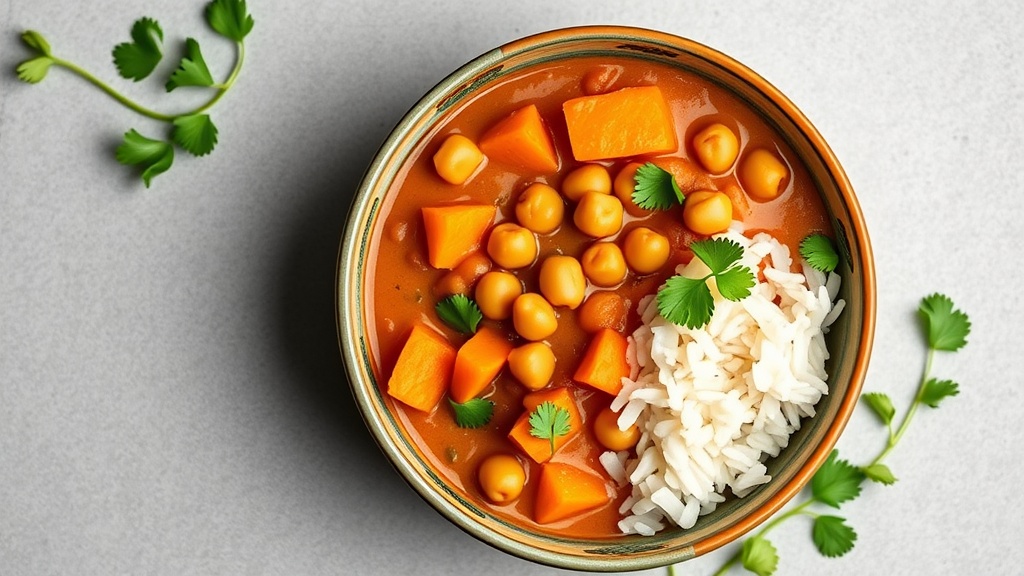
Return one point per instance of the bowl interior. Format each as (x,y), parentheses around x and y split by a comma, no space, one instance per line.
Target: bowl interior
(849,340)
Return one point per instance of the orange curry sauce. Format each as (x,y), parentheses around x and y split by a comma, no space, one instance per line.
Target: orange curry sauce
(402,283)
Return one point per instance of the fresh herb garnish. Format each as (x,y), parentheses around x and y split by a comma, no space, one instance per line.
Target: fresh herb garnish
(656,188)
(459,312)
(947,328)
(688,301)
(137,59)
(838,481)
(192,130)
(192,71)
(154,156)
(549,421)
(473,413)
(819,253)
(760,556)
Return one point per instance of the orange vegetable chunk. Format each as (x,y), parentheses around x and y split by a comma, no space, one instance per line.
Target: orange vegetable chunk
(539,449)
(604,362)
(564,490)
(455,231)
(627,122)
(478,362)
(423,369)
(521,139)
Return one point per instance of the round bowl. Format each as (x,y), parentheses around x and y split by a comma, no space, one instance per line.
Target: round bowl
(849,341)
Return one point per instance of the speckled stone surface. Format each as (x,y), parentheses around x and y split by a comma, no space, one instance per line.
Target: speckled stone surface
(171,396)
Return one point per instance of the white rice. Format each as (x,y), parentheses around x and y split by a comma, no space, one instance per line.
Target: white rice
(714,403)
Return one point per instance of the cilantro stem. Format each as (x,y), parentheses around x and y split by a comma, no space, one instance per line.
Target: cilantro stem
(905,422)
(124,100)
(221,89)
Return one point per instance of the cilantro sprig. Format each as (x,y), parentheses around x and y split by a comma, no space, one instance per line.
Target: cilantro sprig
(549,421)
(838,481)
(459,312)
(472,413)
(688,301)
(656,188)
(191,130)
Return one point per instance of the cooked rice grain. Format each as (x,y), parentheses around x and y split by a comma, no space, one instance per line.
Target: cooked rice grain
(714,404)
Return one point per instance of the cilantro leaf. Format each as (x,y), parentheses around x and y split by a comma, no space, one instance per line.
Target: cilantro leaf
(656,188)
(33,71)
(473,413)
(459,312)
(138,58)
(759,556)
(686,301)
(881,404)
(192,71)
(836,481)
(229,18)
(155,156)
(832,536)
(817,249)
(880,473)
(195,133)
(549,421)
(935,391)
(717,253)
(947,328)
(35,41)
(735,283)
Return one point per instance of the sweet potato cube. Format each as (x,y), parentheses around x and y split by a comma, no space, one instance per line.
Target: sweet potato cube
(620,124)
(539,449)
(564,490)
(604,362)
(477,363)
(455,231)
(423,370)
(522,140)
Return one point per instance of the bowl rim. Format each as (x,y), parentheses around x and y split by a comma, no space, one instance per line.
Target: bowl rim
(350,247)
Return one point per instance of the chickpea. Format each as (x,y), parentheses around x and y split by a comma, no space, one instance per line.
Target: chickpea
(586,178)
(533,317)
(460,280)
(625,182)
(716,147)
(762,175)
(540,208)
(604,309)
(495,293)
(598,215)
(561,281)
(707,212)
(606,429)
(457,159)
(645,250)
(501,478)
(603,264)
(511,246)
(532,364)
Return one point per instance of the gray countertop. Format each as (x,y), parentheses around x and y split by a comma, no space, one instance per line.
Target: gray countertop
(171,396)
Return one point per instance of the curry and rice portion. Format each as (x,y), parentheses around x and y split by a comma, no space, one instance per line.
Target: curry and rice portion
(600,297)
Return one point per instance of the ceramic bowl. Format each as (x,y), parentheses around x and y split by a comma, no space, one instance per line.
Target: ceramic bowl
(849,341)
